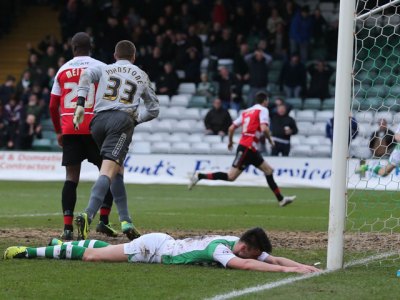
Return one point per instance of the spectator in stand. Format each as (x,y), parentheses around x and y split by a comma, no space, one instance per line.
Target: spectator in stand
(33,108)
(24,84)
(192,65)
(288,12)
(154,65)
(293,77)
(7,89)
(206,88)
(219,13)
(35,68)
(217,120)
(3,128)
(168,82)
(320,73)
(382,140)
(49,59)
(180,50)
(258,63)
(13,113)
(301,30)
(69,19)
(240,67)
(226,82)
(273,21)
(353,130)
(29,129)
(272,106)
(279,43)
(225,47)
(193,40)
(319,28)
(282,127)
(240,20)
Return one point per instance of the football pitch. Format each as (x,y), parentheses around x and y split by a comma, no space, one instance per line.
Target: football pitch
(31,214)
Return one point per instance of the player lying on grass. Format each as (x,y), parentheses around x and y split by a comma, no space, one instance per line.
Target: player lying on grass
(394,160)
(254,122)
(250,252)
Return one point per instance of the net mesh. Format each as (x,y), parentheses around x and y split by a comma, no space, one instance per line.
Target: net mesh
(373,207)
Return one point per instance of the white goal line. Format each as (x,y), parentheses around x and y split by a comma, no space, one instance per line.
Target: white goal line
(268,286)
(376,10)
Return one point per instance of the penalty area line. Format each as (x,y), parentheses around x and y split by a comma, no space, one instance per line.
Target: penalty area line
(271,285)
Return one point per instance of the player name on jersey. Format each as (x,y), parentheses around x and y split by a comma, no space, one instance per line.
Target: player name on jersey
(133,72)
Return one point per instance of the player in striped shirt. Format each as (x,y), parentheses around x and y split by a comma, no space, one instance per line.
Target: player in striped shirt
(254,122)
(77,145)
(249,252)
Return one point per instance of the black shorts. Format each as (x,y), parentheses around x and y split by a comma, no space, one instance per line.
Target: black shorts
(245,157)
(77,148)
(112,131)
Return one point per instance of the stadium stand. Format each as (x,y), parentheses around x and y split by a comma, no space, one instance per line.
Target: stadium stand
(180,128)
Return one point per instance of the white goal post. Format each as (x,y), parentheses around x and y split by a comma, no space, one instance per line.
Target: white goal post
(337,206)
(345,80)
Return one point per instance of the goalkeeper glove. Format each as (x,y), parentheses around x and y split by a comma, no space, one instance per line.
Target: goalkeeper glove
(79,112)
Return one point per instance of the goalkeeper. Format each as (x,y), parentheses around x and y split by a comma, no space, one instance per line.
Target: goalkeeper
(249,252)
(394,160)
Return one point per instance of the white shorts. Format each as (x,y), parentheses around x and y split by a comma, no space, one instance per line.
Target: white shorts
(149,248)
(394,158)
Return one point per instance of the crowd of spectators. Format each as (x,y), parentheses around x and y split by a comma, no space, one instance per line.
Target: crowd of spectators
(172,40)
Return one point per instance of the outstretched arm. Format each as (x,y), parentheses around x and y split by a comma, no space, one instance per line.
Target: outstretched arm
(231,131)
(282,261)
(255,265)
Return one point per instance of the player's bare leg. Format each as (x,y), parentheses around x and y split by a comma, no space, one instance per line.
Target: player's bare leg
(230,176)
(268,171)
(112,253)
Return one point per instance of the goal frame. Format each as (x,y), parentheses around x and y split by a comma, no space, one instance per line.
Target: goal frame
(340,149)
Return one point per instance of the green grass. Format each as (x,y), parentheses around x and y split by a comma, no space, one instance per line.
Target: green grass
(171,208)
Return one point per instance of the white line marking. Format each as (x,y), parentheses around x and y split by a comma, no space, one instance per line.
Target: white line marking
(31,215)
(268,286)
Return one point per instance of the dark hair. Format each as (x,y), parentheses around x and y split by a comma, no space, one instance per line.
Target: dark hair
(256,238)
(81,43)
(261,97)
(125,50)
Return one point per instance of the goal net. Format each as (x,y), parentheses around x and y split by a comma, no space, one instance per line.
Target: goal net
(373,202)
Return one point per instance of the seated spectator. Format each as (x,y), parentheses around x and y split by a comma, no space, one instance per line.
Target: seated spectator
(320,73)
(154,64)
(382,140)
(273,21)
(13,113)
(7,89)
(49,59)
(28,130)
(293,77)
(206,88)
(24,84)
(218,119)
(282,127)
(168,82)
(352,134)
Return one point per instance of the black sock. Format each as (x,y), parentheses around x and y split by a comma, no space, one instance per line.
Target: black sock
(274,187)
(214,176)
(106,208)
(68,201)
